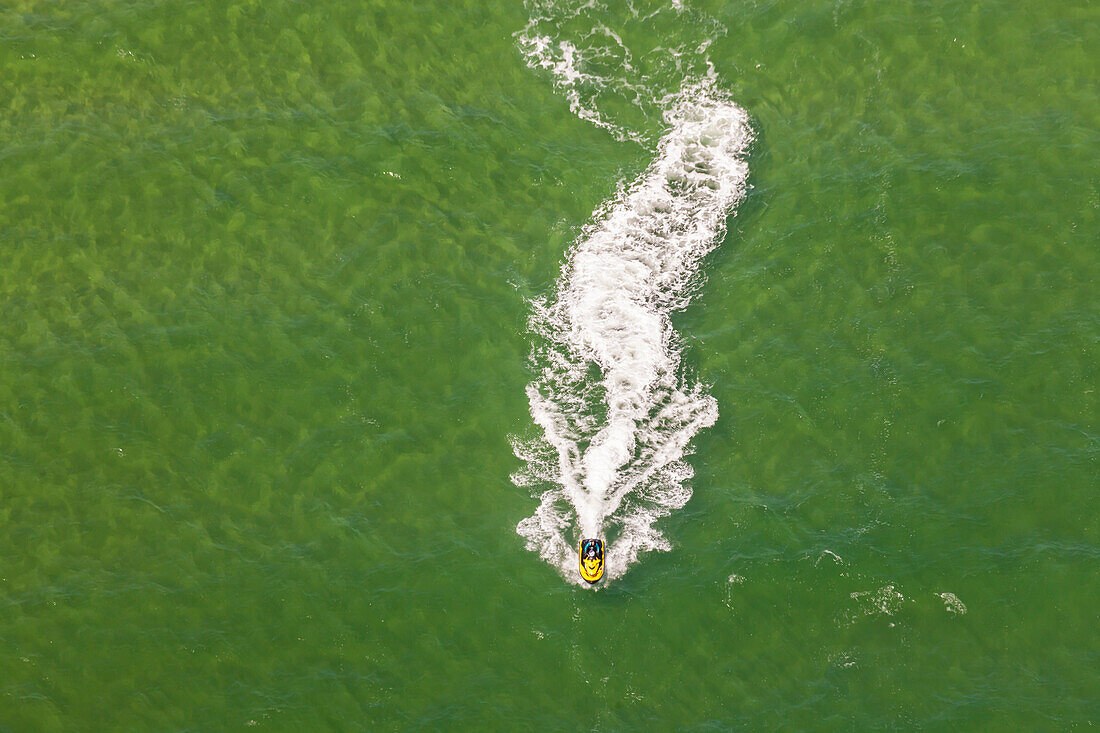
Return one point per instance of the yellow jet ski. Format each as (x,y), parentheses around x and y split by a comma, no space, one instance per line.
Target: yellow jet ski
(591,560)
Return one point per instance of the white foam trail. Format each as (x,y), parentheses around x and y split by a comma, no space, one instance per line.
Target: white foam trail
(615,410)
(581,44)
(560,59)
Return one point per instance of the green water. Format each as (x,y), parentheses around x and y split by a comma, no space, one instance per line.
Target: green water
(263,345)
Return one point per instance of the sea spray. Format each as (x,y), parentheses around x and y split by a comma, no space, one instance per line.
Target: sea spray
(615,410)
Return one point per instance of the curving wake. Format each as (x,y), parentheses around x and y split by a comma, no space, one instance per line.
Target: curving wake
(615,411)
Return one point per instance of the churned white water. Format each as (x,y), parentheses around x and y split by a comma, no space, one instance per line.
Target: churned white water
(615,410)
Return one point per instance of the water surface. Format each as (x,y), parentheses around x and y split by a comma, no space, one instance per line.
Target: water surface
(264,336)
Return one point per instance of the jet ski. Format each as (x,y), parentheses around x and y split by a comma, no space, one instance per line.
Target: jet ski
(592,560)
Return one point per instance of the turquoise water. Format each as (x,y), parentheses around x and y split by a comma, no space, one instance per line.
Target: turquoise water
(268,320)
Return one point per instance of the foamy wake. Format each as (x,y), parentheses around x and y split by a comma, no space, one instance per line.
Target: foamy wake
(580,88)
(615,410)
